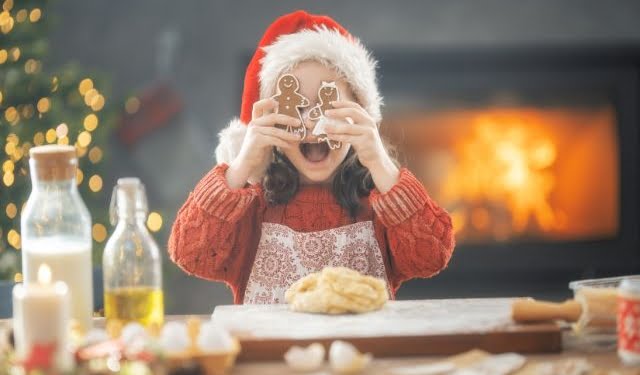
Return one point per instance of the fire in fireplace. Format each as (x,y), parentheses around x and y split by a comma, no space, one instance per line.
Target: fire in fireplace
(518,173)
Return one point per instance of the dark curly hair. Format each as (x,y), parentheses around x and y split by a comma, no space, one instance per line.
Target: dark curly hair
(351,181)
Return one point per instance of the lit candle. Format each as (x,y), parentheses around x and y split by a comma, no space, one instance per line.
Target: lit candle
(41,321)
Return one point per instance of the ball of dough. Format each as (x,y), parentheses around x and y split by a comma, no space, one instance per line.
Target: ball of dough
(337,290)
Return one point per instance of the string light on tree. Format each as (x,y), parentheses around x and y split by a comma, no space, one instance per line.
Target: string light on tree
(51,136)
(14,53)
(10,114)
(54,84)
(79,176)
(38,138)
(62,130)
(8,166)
(95,155)
(99,232)
(84,139)
(44,104)
(8,179)
(154,221)
(95,183)
(35,15)
(21,16)
(91,122)
(13,238)
(84,86)
(11,210)
(90,95)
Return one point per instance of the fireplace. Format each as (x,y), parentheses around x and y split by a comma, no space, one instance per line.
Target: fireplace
(534,152)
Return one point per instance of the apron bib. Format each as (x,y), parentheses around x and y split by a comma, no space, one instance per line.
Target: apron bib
(284,256)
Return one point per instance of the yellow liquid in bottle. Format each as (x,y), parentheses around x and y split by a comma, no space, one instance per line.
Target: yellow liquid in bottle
(137,304)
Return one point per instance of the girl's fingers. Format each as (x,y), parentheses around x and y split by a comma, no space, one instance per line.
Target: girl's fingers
(339,127)
(278,133)
(276,118)
(262,107)
(345,138)
(358,115)
(346,104)
(275,141)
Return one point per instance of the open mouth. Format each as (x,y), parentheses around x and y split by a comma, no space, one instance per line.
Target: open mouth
(315,152)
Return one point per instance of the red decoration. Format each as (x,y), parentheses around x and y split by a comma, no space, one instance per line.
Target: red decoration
(629,324)
(40,357)
(158,105)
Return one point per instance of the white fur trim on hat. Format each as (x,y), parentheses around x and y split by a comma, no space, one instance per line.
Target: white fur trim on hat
(348,56)
(230,142)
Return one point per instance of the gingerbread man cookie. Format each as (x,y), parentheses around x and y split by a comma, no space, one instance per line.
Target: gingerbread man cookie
(290,102)
(327,93)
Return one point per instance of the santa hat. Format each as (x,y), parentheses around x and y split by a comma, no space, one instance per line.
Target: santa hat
(289,40)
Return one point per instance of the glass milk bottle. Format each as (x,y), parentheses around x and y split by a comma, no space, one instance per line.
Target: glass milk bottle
(131,261)
(56,228)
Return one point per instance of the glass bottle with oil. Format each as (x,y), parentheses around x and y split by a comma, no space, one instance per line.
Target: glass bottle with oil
(131,261)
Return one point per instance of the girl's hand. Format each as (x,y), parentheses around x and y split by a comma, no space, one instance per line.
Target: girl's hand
(260,138)
(365,139)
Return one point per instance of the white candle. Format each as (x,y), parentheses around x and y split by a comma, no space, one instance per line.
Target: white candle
(69,261)
(41,317)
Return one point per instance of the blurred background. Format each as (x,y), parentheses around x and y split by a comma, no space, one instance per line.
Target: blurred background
(520,117)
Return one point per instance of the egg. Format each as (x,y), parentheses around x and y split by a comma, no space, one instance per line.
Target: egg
(305,359)
(212,337)
(132,332)
(174,337)
(95,336)
(346,359)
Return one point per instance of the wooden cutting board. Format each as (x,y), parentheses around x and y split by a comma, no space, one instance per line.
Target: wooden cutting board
(401,328)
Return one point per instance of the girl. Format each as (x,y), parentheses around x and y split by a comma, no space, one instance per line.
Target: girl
(277,207)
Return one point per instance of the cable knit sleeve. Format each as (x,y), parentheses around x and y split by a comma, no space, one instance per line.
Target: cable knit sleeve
(214,228)
(419,232)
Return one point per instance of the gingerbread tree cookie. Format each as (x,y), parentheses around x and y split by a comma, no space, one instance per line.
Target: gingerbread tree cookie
(327,93)
(290,102)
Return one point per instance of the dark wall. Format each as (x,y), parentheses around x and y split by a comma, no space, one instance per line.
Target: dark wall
(128,40)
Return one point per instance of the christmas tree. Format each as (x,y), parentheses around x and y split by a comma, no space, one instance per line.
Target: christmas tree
(40,105)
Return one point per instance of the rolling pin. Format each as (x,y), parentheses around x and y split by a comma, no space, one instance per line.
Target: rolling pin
(592,308)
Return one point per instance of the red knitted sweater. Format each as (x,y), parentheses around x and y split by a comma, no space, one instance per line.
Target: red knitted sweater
(217,230)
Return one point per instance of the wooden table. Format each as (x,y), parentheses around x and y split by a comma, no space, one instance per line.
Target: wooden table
(603,360)
(607,361)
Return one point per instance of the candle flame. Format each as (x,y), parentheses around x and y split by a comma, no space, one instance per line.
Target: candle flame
(44,274)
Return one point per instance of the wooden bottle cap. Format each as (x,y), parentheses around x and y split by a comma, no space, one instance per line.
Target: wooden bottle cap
(54,162)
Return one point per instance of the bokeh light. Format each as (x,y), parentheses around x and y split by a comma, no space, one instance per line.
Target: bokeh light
(132,105)
(91,122)
(99,232)
(84,139)
(44,104)
(154,221)
(11,210)
(95,183)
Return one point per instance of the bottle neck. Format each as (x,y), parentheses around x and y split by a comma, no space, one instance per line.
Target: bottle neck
(58,185)
(131,218)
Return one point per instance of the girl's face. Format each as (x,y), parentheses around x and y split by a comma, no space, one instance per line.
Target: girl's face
(316,162)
